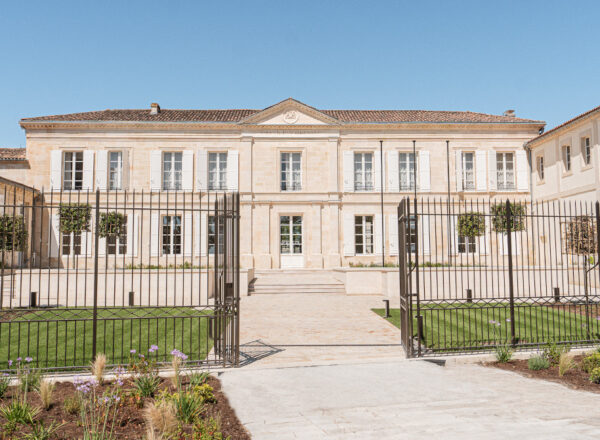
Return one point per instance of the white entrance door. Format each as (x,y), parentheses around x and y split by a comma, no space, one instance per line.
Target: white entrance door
(290,241)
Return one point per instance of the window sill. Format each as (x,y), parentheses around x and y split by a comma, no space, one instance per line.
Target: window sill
(567,174)
(586,167)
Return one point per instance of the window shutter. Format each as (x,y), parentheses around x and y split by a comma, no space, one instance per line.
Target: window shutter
(424,173)
(522,171)
(377,169)
(232,170)
(187,170)
(349,234)
(393,179)
(503,240)
(88,170)
(480,170)
(484,240)
(198,240)
(492,170)
(155,170)
(86,243)
(125,176)
(187,234)
(54,242)
(102,245)
(458,166)
(424,234)
(393,228)
(133,221)
(378,234)
(203,234)
(154,237)
(56,169)
(101,170)
(202,171)
(453,235)
(349,172)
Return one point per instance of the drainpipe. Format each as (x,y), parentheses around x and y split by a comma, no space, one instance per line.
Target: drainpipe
(530,157)
(382,216)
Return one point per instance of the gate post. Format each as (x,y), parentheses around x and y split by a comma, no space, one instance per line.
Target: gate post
(95,310)
(511,290)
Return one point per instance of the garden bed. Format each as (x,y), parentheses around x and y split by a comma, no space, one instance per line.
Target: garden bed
(575,378)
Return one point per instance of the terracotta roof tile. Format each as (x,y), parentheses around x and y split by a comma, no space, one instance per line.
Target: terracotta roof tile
(236,115)
(563,125)
(12,154)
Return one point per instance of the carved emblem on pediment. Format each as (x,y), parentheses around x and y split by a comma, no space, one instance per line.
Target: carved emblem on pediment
(291,117)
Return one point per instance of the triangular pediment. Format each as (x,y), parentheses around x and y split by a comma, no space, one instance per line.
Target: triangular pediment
(290,112)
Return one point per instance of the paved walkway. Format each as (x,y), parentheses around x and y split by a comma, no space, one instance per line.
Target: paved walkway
(406,400)
(311,329)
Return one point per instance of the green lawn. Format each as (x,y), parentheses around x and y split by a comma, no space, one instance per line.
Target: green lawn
(63,338)
(453,326)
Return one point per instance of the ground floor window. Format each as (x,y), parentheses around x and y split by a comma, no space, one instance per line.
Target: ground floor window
(171,235)
(363,234)
(212,233)
(290,234)
(116,244)
(71,244)
(466,245)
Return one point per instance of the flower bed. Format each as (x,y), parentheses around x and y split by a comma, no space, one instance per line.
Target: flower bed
(137,404)
(574,371)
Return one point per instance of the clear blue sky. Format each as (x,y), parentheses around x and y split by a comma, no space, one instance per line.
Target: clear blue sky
(539,57)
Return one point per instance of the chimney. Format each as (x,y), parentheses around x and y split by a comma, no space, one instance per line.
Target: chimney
(154,108)
(510,113)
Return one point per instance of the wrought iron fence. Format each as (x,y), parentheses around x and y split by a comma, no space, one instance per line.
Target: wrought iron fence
(480,274)
(117,272)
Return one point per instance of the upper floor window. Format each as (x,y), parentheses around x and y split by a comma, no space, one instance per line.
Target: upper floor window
(72,170)
(291,171)
(172,165)
(407,168)
(115,170)
(217,171)
(468,171)
(363,234)
(586,150)
(171,234)
(566,152)
(363,171)
(505,171)
(540,167)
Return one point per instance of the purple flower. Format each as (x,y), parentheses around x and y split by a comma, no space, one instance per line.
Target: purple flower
(507,319)
(132,351)
(153,348)
(179,354)
(10,363)
(19,359)
(492,322)
(28,359)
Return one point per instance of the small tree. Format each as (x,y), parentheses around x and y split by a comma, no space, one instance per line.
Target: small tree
(13,234)
(471,224)
(74,218)
(111,224)
(580,236)
(518,212)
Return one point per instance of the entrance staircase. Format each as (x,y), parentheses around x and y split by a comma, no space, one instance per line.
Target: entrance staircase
(304,281)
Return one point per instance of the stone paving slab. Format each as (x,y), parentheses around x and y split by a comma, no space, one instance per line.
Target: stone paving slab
(406,400)
(296,329)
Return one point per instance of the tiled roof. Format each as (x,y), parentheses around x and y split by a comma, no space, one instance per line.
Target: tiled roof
(12,154)
(236,115)
(564,125)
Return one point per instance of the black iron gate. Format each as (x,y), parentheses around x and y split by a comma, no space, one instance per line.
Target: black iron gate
(481,274)
(119,273)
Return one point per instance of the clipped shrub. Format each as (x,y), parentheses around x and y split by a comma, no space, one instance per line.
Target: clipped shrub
(471,224)
(538,363)
(590,362)
(580,236)
(595,375)
(13,234)
(206,392)
(518,212)
(74,217)
(111,224)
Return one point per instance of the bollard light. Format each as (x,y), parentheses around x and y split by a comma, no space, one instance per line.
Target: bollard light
(387,308)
